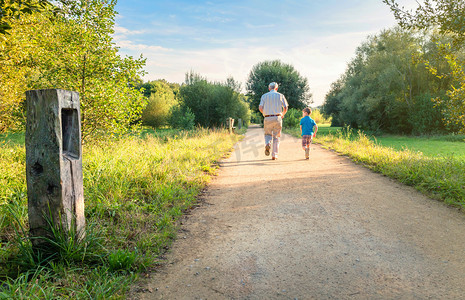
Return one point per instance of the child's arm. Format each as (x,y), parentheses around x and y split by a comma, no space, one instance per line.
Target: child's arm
(316,130)
(300,129)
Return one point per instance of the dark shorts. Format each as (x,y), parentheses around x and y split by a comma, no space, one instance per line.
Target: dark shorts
(306,140)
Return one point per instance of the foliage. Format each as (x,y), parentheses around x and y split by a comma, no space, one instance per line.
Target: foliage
(318,117)
(453,104)
(73,51)
(161,100)
(386,86)
(158,86)
(292,118)
(256,117)
(333,102)
(291,84)
(212,103)
(135,191)
(14,9)
(182,117)
(449,17)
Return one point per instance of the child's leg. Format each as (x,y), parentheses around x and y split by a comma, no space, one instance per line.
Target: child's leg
(306,145)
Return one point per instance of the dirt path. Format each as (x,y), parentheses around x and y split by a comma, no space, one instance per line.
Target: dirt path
(319,229)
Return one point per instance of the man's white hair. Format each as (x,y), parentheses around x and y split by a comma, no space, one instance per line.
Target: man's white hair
(273,85)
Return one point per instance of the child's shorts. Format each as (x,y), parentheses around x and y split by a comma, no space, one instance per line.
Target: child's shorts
(306,140)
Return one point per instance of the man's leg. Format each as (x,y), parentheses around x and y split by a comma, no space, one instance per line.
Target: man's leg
(268,139)
(267,127)
(276,141)
(277,127)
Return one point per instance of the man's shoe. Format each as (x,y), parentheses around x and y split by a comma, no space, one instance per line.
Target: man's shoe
(307,153)
(274,158)
(267,149)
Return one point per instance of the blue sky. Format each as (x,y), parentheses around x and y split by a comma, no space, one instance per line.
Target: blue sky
(218,39)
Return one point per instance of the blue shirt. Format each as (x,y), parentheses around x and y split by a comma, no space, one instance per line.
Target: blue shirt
(307,124)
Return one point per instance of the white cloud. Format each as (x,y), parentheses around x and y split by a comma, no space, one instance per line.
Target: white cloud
(124,31)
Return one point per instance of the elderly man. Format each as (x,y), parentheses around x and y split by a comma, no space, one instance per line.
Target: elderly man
(273,106)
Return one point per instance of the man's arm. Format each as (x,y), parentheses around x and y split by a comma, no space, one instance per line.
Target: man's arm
(284,111)
(260,108)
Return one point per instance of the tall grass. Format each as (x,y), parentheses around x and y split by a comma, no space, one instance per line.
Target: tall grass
(135,190)
(441,177)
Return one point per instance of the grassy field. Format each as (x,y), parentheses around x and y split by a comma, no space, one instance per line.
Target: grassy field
(434,165)
(135,189)
(448,146)
(433,146)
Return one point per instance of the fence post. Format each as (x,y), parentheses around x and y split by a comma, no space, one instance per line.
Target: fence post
(54,162)
(231,125)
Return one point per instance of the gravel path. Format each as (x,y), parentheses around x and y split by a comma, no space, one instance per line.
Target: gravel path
(319,229)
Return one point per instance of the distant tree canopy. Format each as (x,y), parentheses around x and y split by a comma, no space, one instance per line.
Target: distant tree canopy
(212,103)
(449,17)
(387,86)
(72,50)
(291,84)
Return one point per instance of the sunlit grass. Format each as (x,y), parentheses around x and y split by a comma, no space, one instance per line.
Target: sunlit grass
(448,146)
(135,191)
(440,176)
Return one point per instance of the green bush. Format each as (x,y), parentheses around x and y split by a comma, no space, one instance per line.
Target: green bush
(426,118)
(292,118)
(212,103)
(182,117)
(161,100)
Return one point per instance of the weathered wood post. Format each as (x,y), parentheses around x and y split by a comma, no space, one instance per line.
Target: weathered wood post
(239,123)
(231,125)
(54,162)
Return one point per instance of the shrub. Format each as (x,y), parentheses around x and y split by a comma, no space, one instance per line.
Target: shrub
(292,118)
(182,117)
(161,99)
(212,103)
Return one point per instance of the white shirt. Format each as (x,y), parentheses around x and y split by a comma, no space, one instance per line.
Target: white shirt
(273,103)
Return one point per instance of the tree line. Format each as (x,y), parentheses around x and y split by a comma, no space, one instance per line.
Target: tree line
(196,102)
(409,79)
(199,102)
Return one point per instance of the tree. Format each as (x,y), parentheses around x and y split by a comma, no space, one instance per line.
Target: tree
(212,103)
(293,85)
(332,104)
(75,51)
(449,17)
(161,99)
(384,86)
(13,9)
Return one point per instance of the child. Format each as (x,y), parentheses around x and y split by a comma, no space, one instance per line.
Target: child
(306,129)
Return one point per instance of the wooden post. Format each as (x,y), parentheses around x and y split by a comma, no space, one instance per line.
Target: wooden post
(54,162)
(239,123)
(231,125)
